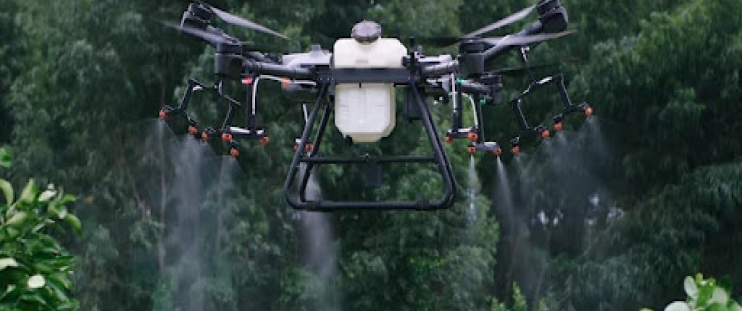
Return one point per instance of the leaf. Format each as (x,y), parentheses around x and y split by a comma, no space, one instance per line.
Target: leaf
(10,294)
(5,158)
(74,222)
(690,287)
(29,192)
(7,189)
(47,195)
(36,281)
(720,296)
(7,262)
(678,306)
(16,220)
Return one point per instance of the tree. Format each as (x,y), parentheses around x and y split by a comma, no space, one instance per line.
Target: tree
(35,270)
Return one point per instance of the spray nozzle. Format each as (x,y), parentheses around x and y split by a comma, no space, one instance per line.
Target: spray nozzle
(227,137)
(586,109)
(472,136)
(558,126)
(208,133)
(449,139)
(515,145)
(542,131)
(166,112)
(471,149)
(234,150)
(192,127)
(307,148)
(264,140)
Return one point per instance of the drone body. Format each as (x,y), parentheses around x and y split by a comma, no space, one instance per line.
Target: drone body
(357,85)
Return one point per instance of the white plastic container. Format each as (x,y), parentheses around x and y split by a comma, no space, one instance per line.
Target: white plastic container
(366,111)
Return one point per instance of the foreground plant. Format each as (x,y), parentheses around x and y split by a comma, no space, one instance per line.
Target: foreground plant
(34,268)
(705,295)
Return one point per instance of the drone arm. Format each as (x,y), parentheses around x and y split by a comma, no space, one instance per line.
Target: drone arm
(260,68)
(440,69)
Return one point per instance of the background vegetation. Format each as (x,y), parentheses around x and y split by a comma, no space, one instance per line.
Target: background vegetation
(78,77)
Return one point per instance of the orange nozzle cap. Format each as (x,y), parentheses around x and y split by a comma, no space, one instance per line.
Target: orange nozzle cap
(545,134)
(285,82)
(227,137)
(588,111)
(515,150)
(472,136)
(234,152)
(558,126)
(264,140)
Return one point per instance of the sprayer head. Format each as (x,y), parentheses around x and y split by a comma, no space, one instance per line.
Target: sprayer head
(472,136)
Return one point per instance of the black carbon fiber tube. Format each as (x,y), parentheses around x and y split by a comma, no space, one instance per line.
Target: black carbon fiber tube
(440,69)
(279,70)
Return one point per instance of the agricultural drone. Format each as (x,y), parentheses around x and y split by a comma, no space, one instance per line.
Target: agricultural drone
(356,84)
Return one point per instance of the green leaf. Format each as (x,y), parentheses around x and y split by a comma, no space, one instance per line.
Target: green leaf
(690,287)
(29,192)
(7,189)
(5,158)
(7,262)
(74,222)
(720,296)
(47,195)
(678,306)
(17,219)
(36,281)
(10,294)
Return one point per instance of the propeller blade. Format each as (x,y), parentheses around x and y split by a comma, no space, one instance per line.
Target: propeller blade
(201,34)
(526,40)
(503,22)
(239,21)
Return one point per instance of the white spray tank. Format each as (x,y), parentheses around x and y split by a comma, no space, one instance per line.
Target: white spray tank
(366,112)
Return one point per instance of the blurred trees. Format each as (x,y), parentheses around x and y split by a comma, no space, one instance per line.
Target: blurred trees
(78,76)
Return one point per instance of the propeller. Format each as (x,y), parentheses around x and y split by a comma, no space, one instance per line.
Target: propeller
(501,23)
(242,22)
(207,36)
(446,41)
(221,38)
(514,40)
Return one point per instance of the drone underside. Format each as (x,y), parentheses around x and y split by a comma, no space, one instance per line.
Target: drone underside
(356,84)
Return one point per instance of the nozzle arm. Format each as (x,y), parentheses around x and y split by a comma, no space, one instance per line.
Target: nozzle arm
(255,67)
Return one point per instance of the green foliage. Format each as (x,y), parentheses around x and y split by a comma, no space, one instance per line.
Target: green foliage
(705,295)
(35,271)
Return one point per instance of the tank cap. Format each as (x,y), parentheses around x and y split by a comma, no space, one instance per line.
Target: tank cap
(366,32)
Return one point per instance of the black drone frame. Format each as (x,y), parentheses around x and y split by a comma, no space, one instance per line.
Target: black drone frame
(419,79)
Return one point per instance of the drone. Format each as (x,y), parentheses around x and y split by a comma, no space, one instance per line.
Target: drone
(356,84)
